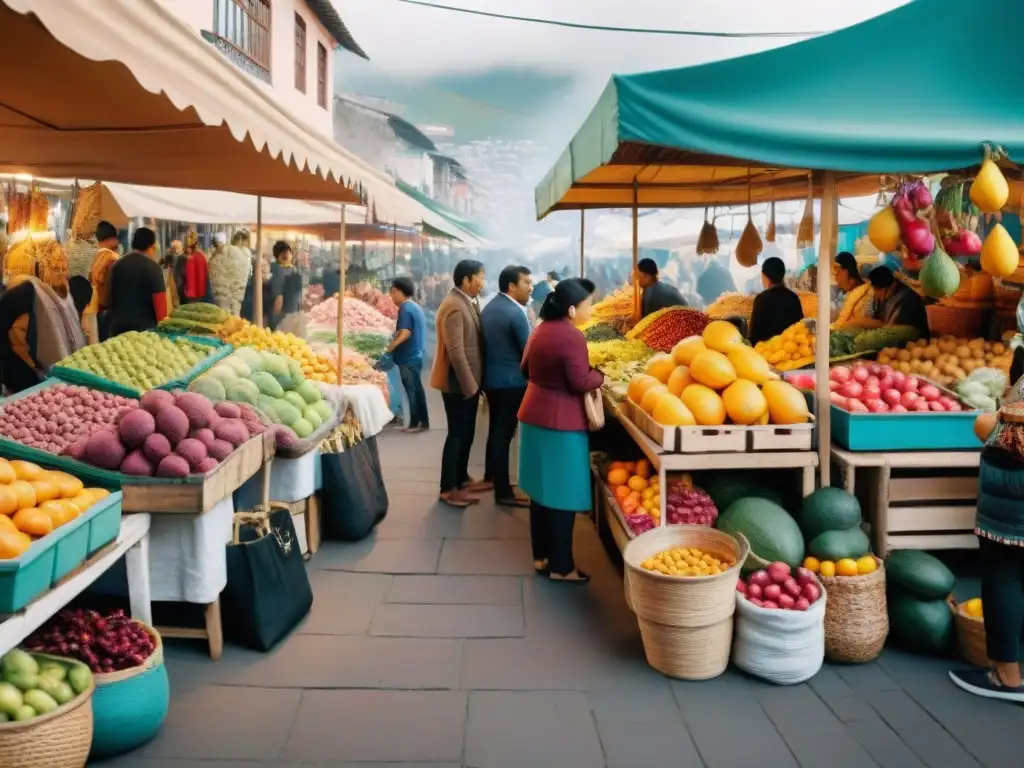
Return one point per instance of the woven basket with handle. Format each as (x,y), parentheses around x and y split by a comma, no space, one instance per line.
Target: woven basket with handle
(856,616)
(60,739)
(957,321)
(970,636)
(685,623)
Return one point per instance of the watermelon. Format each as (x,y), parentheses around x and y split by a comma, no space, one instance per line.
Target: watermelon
(836,545)
(828,509)
(919,573)
(726,487)
(919,625)
(772,533)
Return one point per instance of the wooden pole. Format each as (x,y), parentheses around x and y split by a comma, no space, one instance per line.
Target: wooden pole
(583,235)
(394,249)
(341,295)
(826,253)
(636,253)
(257,274)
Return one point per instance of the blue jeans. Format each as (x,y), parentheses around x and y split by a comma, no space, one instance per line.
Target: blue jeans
(412,380)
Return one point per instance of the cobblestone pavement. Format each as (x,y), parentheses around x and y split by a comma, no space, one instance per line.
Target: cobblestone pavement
(431,644)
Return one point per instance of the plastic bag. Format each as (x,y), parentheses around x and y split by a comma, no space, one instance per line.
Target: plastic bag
(782,647)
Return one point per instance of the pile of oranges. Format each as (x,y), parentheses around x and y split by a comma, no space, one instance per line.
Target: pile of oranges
(635,487)
(35,501)
(848,566)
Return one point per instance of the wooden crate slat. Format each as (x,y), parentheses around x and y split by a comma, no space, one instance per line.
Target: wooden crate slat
(932,518)
(917,489)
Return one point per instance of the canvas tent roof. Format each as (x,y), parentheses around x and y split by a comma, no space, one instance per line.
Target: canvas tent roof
(124,91)
(856,102)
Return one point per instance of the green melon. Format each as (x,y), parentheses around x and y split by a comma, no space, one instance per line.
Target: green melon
(919,573)
(773,535)
(837,545)
(208,386)
(310,391)
(310,414)
(302,428)
(267,384)
(323,408)
(919,625)
(243,391)
(726,487)
(286,412)
(295,399)
(828,509)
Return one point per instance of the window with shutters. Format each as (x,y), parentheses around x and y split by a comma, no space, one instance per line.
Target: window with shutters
(300,53)
(321,75)
(243,28)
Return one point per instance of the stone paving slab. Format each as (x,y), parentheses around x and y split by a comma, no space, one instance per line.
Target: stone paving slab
(378,726)
(466,621)
(643,728)
(465,590)
(486,558)
(373,556)
(514,730)
(343,603)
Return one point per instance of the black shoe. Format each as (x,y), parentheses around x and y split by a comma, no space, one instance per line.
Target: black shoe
(986,684)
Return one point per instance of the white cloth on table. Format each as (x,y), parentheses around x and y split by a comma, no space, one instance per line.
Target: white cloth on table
(188,554)
(368,405)
(291,480)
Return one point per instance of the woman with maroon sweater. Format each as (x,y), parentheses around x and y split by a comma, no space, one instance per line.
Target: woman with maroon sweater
(554,445)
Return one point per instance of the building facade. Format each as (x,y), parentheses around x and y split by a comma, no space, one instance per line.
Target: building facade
(288,44)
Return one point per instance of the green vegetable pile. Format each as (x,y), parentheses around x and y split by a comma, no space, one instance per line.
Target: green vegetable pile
(36,684)
(880,338)
(199,318)
(983,389)
(840,343)
(602,332)
(371,345)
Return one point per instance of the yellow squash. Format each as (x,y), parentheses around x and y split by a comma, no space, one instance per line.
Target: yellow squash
(999,256)
(989,191)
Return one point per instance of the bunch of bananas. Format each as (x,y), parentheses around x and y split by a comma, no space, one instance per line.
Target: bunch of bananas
(602,352)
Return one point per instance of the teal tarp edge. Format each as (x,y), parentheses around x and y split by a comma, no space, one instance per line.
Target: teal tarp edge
(832,102)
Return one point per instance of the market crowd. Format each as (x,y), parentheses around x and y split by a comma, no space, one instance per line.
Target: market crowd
(57,300)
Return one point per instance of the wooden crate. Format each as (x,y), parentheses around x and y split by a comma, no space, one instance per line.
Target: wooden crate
(198,495)
(728,438)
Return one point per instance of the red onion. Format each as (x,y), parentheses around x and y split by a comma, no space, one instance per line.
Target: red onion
(904,209)
(918,237)
(920,196)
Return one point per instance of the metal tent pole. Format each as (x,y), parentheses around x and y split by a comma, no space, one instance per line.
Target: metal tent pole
(826,253)
(341,296)
(257,275)
(583,235)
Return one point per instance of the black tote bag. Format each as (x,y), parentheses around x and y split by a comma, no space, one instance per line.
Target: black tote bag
(354,499)
(268,591)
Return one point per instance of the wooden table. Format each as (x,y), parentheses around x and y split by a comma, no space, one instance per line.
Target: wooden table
(915,499)
(132,543)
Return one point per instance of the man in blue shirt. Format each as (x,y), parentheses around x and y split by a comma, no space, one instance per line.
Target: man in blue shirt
(505,329)
(407,349)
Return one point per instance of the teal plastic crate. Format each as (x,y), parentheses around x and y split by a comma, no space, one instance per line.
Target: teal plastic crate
(53,557)
(933,431)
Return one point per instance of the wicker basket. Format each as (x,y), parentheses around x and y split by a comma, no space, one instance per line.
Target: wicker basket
(856,616)
(1007,295)
(975,287)
(60,739)
(970,636)
(960,321)
(686,623)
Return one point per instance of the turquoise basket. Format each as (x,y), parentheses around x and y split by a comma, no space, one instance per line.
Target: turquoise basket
(51,558)
(904,431)
(129,708)
(84,379)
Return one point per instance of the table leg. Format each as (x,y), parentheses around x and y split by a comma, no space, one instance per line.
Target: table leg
(849,479)
(137,565)
(808,480)
(312,524)
(880,524)
(214,630)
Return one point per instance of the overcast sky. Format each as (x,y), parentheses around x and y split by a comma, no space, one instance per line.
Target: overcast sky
(422,41)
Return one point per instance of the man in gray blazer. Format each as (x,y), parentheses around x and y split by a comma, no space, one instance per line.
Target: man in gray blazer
(505,329)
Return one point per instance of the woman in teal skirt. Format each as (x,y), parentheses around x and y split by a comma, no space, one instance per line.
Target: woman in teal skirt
(554,445)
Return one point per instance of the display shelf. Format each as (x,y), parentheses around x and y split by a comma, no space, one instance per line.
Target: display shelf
(131,544)
(914,499)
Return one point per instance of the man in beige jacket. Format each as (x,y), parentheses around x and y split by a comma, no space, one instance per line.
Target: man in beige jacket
(458,373)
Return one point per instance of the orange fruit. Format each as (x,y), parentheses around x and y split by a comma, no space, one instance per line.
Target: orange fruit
(6,472)
(26,470)
(24,492)
(68,486)
(621,492)
(618,477)
(96,493)
(6,524)
(616,465)
(45,489)
(81,502)
(13,544)
(637,483)
(8,500)
(60,511)
(643,468)
(33,521)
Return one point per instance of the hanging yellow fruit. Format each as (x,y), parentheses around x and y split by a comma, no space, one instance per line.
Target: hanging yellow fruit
(999,256)
(884,230)
(989,191)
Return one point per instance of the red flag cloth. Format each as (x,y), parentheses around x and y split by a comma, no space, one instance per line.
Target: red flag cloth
(196,276)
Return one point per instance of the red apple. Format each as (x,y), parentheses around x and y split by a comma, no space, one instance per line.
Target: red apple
(840,373)
(856,406)
(851,389)
(860,373)
(891,396)
(935,405)
(921,405)
(897,409)
(929,392)
(907,400)
(839,401)
(876,406)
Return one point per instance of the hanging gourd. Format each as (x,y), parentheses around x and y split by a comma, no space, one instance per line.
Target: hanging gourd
(805,232)
(707,240)
(940,276)
(999,256)
(749,246)
(989,190)
(884,230)
(769,234)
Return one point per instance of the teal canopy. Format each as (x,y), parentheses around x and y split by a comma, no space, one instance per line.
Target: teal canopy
(461,225)
(920,89)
